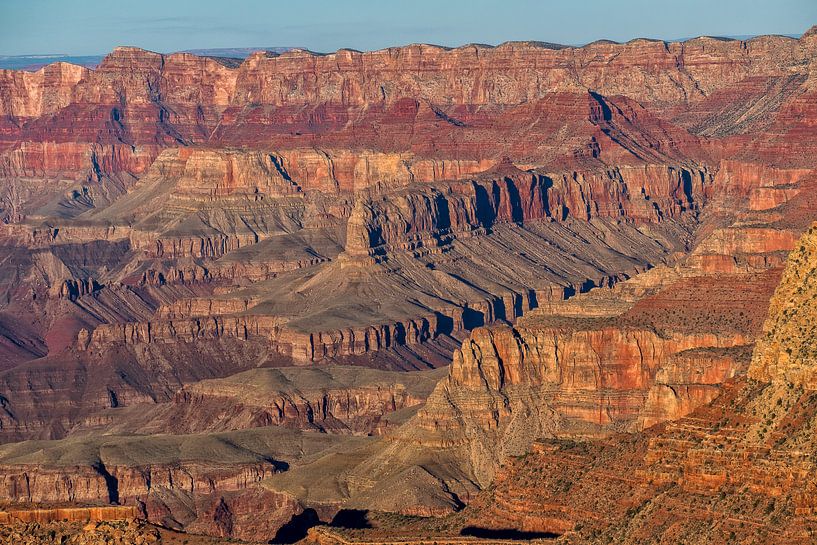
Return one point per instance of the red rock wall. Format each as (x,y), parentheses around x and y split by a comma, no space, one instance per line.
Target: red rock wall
(136,102)
(68,514)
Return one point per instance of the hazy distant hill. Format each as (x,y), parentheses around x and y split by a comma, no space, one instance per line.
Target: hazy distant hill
(34,62)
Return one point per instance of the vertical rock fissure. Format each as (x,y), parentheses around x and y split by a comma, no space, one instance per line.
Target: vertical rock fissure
(111,482)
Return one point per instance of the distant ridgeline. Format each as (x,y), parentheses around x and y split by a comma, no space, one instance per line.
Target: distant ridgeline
(35,62)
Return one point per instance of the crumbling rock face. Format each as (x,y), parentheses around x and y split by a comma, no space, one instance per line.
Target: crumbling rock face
(179,496)
(90,484)
(624,366)
(562,382)
(785,352)
(32,94)
(79,533)
(205,483)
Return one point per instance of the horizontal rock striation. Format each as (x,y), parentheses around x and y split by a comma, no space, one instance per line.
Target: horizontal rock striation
(591,234)
(414,218)
(68,514)
(332,399)
(204,483)
(737,468)
(425,220)
(651,349)
(135,103)
(84,484)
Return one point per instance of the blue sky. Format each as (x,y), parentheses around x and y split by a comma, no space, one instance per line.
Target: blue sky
(87,27)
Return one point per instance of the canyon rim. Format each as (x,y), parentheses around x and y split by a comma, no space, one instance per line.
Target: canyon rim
(511,293)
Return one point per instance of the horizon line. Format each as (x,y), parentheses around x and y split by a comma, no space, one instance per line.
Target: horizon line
(731,37)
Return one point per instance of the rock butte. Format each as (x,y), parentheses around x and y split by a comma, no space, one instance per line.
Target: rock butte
(227,288)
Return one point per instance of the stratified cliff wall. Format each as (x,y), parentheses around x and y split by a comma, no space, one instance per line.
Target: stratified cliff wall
(738,468)
(589,236)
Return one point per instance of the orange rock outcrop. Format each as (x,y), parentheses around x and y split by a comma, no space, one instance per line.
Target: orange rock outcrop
(737,469)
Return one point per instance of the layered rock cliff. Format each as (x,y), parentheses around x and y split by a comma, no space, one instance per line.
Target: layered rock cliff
(737,469)
(330,399)
(591,234)
(206,483)
(136,103)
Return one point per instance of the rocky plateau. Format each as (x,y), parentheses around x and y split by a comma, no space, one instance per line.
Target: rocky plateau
(557,290)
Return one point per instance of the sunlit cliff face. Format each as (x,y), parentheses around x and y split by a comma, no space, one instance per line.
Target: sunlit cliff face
(303,283)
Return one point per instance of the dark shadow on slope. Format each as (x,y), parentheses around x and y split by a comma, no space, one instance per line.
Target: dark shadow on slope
(505,533)
(351,518)
(606,112)
(472,319)
(296,529)
(111,482)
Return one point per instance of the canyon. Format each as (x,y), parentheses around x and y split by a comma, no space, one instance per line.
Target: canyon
(433,286)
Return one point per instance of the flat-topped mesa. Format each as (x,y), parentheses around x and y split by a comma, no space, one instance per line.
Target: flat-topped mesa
(209,174)
(185,218)
(153,492)
(332,399)
(299,346)
(184,330)
(83,484)
(332,170)
(194,319)
(335,169)
(142,77)
(786,353)
(345,411)
(202,483)
(202,307)
(111,120)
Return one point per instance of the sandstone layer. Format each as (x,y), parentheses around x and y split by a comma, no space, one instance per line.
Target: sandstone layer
(736,469)
(589,236)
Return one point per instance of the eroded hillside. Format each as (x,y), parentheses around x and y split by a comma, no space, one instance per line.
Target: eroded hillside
(228,289)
